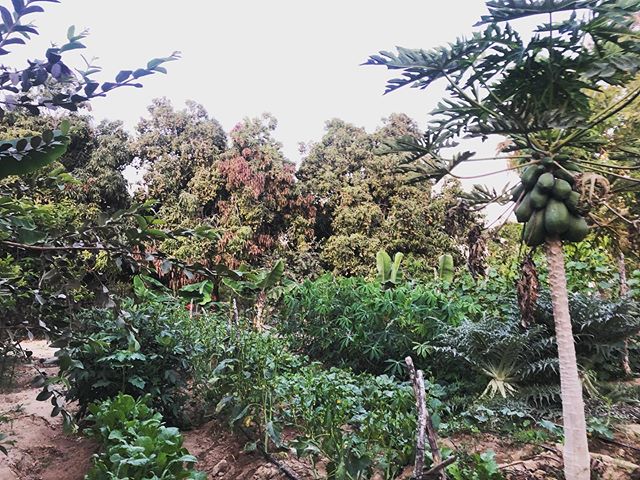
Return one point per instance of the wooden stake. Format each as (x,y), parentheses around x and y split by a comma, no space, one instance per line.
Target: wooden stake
(624,291)
(424,425)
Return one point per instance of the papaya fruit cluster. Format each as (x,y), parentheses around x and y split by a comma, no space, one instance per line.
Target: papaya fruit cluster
(548,205)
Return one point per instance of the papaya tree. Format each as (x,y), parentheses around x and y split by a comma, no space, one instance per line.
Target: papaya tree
(534,89)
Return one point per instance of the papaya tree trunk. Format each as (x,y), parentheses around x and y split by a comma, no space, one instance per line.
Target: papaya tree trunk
(576,449)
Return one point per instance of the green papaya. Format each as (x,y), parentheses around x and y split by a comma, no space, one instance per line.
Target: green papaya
(539,199)
(573,202)
(577,229)
(530,175)
(561,189)
(524,209)
(534,232)
(547,161)
(545,182)
(565,175)
(556,217)
(516,192)
(574,167)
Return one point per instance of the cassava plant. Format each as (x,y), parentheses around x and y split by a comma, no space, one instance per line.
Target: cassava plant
(535,90)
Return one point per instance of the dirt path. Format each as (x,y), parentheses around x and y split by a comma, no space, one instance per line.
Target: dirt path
(42,451)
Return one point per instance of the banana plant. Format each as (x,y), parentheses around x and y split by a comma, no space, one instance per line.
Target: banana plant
(258,286)
(388,272)
(446,269)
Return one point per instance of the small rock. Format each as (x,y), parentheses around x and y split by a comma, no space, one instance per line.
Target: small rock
(220,468)
(265,472)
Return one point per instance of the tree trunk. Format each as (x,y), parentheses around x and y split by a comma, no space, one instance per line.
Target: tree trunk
(624,291)
(576,449)
(261,302)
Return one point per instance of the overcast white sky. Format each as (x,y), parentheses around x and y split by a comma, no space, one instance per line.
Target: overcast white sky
(299,60)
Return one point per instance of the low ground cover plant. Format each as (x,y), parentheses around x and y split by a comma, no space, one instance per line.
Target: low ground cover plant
(358,423)
(136,444)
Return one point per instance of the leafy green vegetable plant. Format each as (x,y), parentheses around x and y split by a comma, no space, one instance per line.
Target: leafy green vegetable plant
(354,322)
(359,423)
(136,443)
(142,350)
(476,466)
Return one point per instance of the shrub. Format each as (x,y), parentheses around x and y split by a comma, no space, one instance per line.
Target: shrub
(140,350)
(359,422)
(357,323)
(600,326)
(136,444)
(475,466)
(493,355)
(507,355)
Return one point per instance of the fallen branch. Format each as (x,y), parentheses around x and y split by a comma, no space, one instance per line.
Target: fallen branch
(504,466)
(290,474)
(543,455)
(439,467)
(619,444)
(54,248)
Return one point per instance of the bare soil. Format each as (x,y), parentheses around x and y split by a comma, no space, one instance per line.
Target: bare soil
(42,451)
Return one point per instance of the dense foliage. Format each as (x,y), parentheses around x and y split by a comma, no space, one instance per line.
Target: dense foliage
(536,90)
(453,332)
(365,203)
(357,422)
(164,313)
(58,233)
(140,350)
(355,322)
